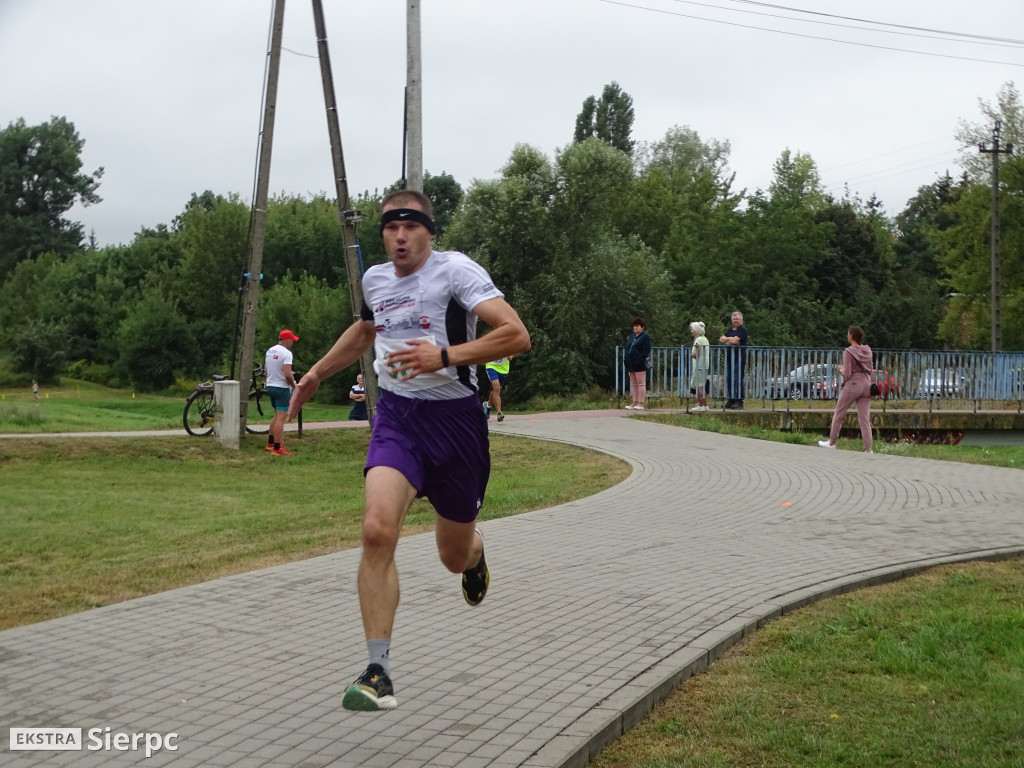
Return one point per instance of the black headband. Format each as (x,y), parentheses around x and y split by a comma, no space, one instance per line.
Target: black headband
(407,214)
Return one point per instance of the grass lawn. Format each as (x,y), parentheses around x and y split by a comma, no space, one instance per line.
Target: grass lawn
(85,407)
(1011,456)
(91,521)
(928,671)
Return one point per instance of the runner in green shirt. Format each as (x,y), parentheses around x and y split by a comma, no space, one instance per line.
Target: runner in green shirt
(497,372)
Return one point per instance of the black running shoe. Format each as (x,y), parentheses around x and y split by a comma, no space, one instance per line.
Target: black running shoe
(372,691)
(476,580)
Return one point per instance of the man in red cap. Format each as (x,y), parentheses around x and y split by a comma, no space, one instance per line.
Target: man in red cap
(280,383)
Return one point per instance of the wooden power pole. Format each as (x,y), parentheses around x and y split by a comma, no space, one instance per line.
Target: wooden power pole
(414,99)
(349,218)
(258,221)
(996,239)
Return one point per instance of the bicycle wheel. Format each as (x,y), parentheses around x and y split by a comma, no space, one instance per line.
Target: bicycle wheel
(198,415)
(259,413)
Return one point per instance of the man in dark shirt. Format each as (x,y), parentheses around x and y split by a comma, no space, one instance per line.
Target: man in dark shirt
(735,362)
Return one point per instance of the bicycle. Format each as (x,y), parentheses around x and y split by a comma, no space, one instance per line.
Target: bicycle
(200,406)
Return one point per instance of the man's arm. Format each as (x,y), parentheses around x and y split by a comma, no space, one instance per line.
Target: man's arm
(287,371)
(507,337)
(356,339)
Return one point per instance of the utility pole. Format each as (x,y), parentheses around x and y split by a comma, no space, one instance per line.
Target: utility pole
(349,218)
(997,279)
(258,221)
(414,98)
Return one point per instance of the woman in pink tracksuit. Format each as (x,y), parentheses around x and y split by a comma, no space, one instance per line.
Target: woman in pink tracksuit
(856,373)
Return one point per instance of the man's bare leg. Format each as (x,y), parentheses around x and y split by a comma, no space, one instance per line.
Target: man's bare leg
(496,395)
(388,496)
(275,432)
(461,547)
(458,544)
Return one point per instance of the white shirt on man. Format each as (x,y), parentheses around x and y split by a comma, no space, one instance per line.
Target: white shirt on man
(434,303)
(278,356)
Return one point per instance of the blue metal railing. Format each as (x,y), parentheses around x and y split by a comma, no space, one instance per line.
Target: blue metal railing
(803,373)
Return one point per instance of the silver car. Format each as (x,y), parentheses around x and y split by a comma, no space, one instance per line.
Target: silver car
(940,382)
(809,380)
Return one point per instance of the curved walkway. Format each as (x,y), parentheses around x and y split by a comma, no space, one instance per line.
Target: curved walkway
(597,609)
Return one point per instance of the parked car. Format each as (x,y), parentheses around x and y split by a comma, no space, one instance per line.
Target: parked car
(887,386)
(940,382)
(803,381)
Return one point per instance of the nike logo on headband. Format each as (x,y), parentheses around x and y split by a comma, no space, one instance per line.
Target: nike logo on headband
(408,214)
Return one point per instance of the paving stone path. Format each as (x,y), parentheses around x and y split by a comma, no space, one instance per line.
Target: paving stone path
(597,608)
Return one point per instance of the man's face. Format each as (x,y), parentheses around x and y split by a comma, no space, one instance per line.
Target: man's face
(408,243)
(637,328)
(737,321)
(359,379)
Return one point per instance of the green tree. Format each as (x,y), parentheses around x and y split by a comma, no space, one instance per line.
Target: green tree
(1008,109)
(154,342)
(210,234)
(919,282)
(591,178)
(40,180)
(303,236)
(316,312)
(857,260)
(784,243)
(546,232)
(965,257)
(580,311)
(445,193)
(926,215)
(965,246)
(609,118)
(682,205)
(40,349)
(507,224)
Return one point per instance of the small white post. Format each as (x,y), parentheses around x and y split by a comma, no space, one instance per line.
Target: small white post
(226,421)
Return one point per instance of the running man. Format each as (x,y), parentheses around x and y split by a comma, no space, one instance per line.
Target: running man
(429,435)
(497,373)
(280,383)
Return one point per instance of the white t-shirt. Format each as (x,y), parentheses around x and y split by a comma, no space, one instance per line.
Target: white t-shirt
(278,356)
(434,303)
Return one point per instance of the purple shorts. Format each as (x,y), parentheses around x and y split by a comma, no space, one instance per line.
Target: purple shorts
(440,446)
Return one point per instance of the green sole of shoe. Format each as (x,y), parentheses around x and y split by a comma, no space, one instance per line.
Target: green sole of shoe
(357,700)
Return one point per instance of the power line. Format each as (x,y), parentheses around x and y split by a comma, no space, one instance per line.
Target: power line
(976,39)
(881,23)
(299,53)
(897,170)
(916,145)
(812,37)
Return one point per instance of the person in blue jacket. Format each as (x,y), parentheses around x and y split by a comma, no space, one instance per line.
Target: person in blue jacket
(638,351)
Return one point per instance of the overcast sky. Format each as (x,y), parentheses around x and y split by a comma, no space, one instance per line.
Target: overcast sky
(167,93)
